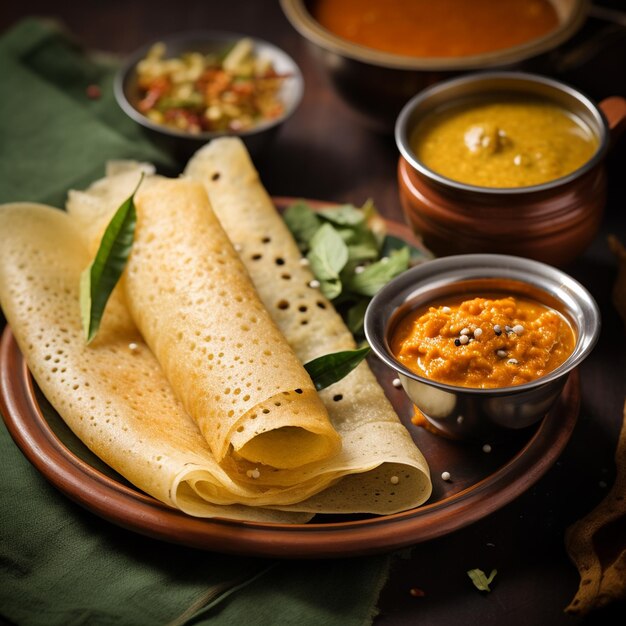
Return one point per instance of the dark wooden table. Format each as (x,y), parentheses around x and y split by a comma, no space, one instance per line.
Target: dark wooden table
(324,152)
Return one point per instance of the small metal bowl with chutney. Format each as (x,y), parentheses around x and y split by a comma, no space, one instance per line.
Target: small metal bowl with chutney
(506,163)
(483,344)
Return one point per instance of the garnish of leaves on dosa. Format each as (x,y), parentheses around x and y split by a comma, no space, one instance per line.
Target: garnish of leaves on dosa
(100,277)
(350,254)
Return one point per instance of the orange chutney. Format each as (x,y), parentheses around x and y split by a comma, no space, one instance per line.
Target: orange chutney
(441,28)
(484,342)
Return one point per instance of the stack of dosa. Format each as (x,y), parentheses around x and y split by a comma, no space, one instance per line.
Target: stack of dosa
(179,297)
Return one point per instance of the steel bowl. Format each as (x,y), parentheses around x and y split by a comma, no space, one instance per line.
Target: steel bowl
(182,144)
(468,413)
(376,84)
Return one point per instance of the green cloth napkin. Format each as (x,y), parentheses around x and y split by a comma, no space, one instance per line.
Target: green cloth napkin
(60,564)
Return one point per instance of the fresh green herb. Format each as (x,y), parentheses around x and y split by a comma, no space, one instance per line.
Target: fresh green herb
(350,255)
(480,580)
(99,279)
(328,253)
(301,221)
(343,215)
(375,276)
(328,369)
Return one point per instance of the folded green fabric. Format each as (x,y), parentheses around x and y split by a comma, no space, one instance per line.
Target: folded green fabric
(53,135)
(59,564)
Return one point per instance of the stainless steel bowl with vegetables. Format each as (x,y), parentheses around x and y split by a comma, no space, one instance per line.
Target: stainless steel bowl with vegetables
(187,89)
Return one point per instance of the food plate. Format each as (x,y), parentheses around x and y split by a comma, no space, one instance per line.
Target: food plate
(480,482)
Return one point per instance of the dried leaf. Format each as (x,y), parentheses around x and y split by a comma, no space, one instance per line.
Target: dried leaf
(480,580)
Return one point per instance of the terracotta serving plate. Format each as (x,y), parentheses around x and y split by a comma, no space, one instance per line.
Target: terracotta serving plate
(480,482)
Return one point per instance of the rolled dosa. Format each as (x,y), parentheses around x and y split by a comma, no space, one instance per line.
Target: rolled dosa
(375,443)
(112,393)
(379,469)
(194,304)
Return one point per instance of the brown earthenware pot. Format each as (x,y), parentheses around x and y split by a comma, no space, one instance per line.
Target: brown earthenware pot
(553,222)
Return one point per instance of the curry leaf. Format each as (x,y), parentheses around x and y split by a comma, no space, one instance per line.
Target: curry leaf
(100,277)
(302,221)
(331,288)
(392,243)
(343,215)
(377,275)
(356,316)
(330,368)
(480,580)
(328,253)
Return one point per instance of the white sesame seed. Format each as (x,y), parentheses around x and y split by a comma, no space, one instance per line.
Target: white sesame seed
(253,473)
(445,476)
(463,339)
(394,480)
(132,346)
(501,353)
(465,331)
(237,247)
(518,329)
(487,448)
(459,419)
(512,361)
(446,309)
(304,261)
(314,283)
(397,383)
(497,329)
(517,159)
(359,268)
(478,332)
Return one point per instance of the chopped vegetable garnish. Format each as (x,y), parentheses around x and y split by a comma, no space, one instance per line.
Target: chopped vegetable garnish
(199,93)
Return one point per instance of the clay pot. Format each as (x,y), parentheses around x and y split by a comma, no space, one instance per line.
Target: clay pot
(553,222)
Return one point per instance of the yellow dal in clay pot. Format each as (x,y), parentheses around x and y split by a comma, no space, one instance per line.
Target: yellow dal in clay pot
(503,142)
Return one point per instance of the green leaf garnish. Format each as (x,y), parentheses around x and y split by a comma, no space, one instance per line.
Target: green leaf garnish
(343,215)
(301,221)
(100,277)
(356,316)
(328,253)
(349,281)
(480,580)
(377,275)
(329,368)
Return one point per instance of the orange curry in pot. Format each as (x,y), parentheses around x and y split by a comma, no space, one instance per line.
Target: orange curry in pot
(437,28)
(485,342)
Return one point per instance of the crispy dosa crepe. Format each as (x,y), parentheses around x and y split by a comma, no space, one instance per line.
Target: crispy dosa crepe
(380,468)
(112,393)
(194,304)
(373,437)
